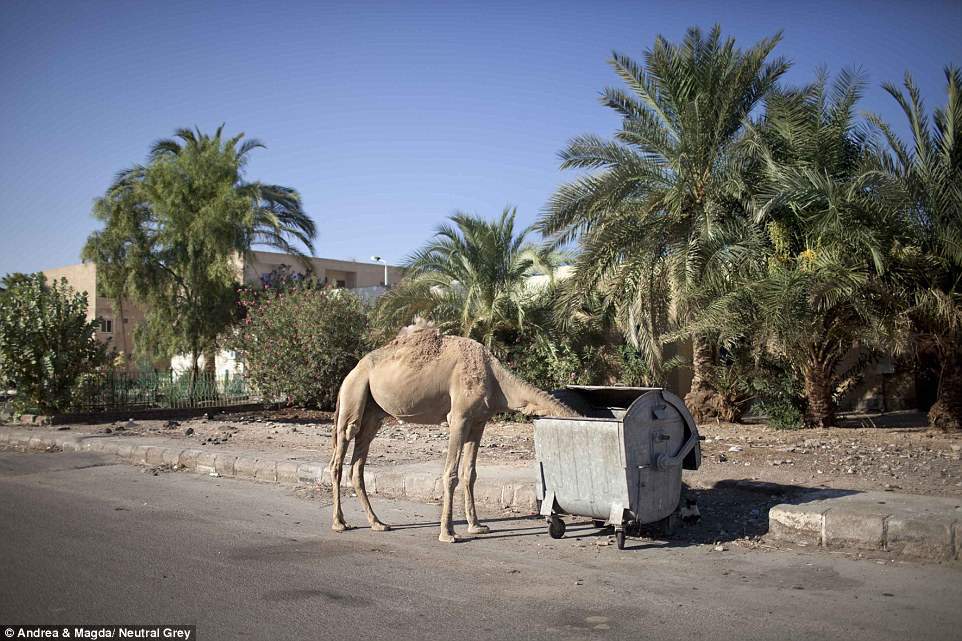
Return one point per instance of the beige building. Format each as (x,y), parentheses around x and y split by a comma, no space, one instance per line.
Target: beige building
(338,273)
(116,327)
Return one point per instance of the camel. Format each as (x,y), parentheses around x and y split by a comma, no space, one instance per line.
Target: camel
(424,377)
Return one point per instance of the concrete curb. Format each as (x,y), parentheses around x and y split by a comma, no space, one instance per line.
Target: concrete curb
(499,486)
(926,527)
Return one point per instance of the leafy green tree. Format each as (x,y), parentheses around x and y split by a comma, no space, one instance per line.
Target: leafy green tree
(299,342)
(471,279)
(929,172)
(656,213)
(175,230)
(46,342)
(12,279)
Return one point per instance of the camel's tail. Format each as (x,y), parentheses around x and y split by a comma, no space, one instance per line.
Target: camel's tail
(334,431)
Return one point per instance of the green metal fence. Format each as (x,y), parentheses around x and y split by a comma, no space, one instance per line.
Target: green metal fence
(159,389)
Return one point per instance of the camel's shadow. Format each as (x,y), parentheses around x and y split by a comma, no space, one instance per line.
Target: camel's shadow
(530,525)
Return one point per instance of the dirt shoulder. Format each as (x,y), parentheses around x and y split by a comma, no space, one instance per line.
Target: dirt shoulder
(910,460)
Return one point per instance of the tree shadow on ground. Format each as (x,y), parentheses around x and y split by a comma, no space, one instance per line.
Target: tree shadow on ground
(903,419)
(734,509)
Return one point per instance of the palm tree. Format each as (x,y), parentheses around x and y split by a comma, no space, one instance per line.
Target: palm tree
(929,172)
(823,291)
(471,279)
(175,227)
(663,192)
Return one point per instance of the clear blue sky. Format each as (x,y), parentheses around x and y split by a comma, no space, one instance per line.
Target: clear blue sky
(387,117)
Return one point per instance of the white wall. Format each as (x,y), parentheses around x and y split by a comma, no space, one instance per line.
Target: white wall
(224,361)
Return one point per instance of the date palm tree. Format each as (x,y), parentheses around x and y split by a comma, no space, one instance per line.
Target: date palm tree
(826,288)
(929,171)
(659,197)
(470,279)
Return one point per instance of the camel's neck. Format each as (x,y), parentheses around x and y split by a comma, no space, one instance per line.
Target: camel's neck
(524,397)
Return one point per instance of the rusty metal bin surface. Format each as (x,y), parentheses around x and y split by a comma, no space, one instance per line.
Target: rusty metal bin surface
(622,461)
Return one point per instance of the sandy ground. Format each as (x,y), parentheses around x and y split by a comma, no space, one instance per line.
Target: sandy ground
(897,457)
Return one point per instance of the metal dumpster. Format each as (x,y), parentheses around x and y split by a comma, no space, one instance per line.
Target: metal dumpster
(620,463)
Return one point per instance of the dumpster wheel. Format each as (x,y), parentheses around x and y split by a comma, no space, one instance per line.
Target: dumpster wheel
(556,527)
(620,538)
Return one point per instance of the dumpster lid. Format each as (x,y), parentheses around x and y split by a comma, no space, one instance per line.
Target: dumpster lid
(609,396)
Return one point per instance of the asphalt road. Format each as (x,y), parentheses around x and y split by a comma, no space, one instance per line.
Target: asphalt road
(86,540)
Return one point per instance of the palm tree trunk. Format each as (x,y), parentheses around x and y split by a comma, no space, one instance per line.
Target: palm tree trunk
(818,392)
(703,357)
(703,401)
(947,411)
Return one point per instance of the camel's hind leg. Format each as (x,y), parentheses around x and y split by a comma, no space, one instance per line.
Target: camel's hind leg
(469,475)
(370,424)
(337,465)
(352,400)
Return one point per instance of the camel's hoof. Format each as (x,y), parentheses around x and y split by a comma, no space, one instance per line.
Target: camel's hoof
(380,527)
(478,529)
(340,527)
(444,537)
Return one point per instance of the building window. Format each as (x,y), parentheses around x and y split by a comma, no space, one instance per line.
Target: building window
(106,326)
(341,284)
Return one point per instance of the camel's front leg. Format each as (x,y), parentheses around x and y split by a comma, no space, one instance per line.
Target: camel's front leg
(468,476)
(449,478)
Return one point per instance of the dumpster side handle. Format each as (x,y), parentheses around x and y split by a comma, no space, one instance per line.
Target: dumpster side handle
(664,461)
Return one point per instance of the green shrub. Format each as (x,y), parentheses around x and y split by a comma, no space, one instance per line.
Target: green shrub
(778,394)
(46,343)
(298,344)
(783,415)
(632,369)
(545,365)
